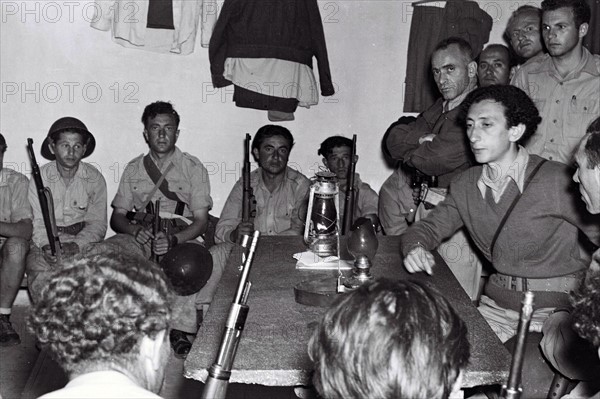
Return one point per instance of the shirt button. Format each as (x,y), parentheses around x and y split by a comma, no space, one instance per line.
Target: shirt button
(554,121)
(558,101)
(550,158)
(552,140)
(561,83)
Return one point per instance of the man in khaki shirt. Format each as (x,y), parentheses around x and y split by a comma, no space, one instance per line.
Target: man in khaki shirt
(79,195)
(15,232)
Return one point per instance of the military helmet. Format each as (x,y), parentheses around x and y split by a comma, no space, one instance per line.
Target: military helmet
(188,267)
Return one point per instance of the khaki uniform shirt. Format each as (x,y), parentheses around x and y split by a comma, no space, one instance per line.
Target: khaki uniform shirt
(83,200)
(276,211)
(188,179)
(567,105)
(14,203)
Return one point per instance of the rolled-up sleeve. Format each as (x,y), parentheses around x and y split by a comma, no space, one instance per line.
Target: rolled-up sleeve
(231,215)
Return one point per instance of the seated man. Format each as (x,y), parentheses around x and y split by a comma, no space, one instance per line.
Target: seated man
(535,247)
(337,154)
(390,339)
(181,182)
(15,232)
(104,319)
(494,66)
(281,193)
(79,196)
(574,357)
(394,195)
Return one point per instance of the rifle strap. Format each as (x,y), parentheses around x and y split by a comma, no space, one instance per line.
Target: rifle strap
(514,203)
(160,183)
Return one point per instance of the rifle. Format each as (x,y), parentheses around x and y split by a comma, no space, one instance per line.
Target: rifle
(46,203)
(220,371)
(349,201)
(156,226)
(248,201)
(512,389)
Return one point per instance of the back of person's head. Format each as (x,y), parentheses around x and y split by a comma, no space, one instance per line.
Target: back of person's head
(95,311)
(592,144)
(518,107)
(463,46)
(3,145)
(389,339)
(158,108)
(586,306)
(580,9)
(332,142)
(268,131)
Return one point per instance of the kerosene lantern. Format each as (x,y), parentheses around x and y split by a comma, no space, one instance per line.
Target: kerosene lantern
(321,232)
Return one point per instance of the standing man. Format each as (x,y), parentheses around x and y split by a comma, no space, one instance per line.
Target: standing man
(435,145)
(337,157)
(15,232)
(564,83)
(181,182)
(494,67)
(523,33)
(79,195)
(281,193)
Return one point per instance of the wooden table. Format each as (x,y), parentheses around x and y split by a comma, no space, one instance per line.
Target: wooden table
(273,347)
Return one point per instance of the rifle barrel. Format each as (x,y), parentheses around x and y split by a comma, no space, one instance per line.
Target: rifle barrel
(349,200)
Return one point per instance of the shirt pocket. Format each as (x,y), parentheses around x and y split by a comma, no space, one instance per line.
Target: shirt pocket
(79,204)
(581,112)
(540,103)
(140,191)
(182,188)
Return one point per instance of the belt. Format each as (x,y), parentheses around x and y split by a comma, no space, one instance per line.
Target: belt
(73,229)
(553,284)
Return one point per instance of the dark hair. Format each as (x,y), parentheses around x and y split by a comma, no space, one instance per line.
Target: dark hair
(518,107)
(526,9)
(268,131)
(389,339)
(97,309)
(586,307)
(157,108)
(502,48)
(463,46)
(330,143)
(580,9)
(592,144)
(3,145)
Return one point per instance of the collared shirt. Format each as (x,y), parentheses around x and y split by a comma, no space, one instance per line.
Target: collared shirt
(101,384)
(83,200)
(277,211)
(188,179)
(567,105)
(365,199)
(516,172)
(449,105)
(395,202)
(14,203)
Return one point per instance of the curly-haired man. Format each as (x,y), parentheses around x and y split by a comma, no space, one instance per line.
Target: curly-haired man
(104,318)
(390,339)
(576,358)
(517,209)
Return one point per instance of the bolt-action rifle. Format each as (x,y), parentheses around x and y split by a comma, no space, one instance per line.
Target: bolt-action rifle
(512,389)
(349,200)
(220,371)
(46,203)
(248,200)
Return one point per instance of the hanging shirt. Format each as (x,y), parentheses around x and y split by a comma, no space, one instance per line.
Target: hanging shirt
(128,20)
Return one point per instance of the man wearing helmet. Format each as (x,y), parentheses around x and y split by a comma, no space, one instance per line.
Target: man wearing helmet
(79,198)
(181,182)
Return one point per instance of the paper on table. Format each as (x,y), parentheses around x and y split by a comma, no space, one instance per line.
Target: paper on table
(310,260)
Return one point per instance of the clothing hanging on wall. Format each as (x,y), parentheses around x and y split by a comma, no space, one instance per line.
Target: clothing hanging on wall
(144,24)
(266,48)
(458,18)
